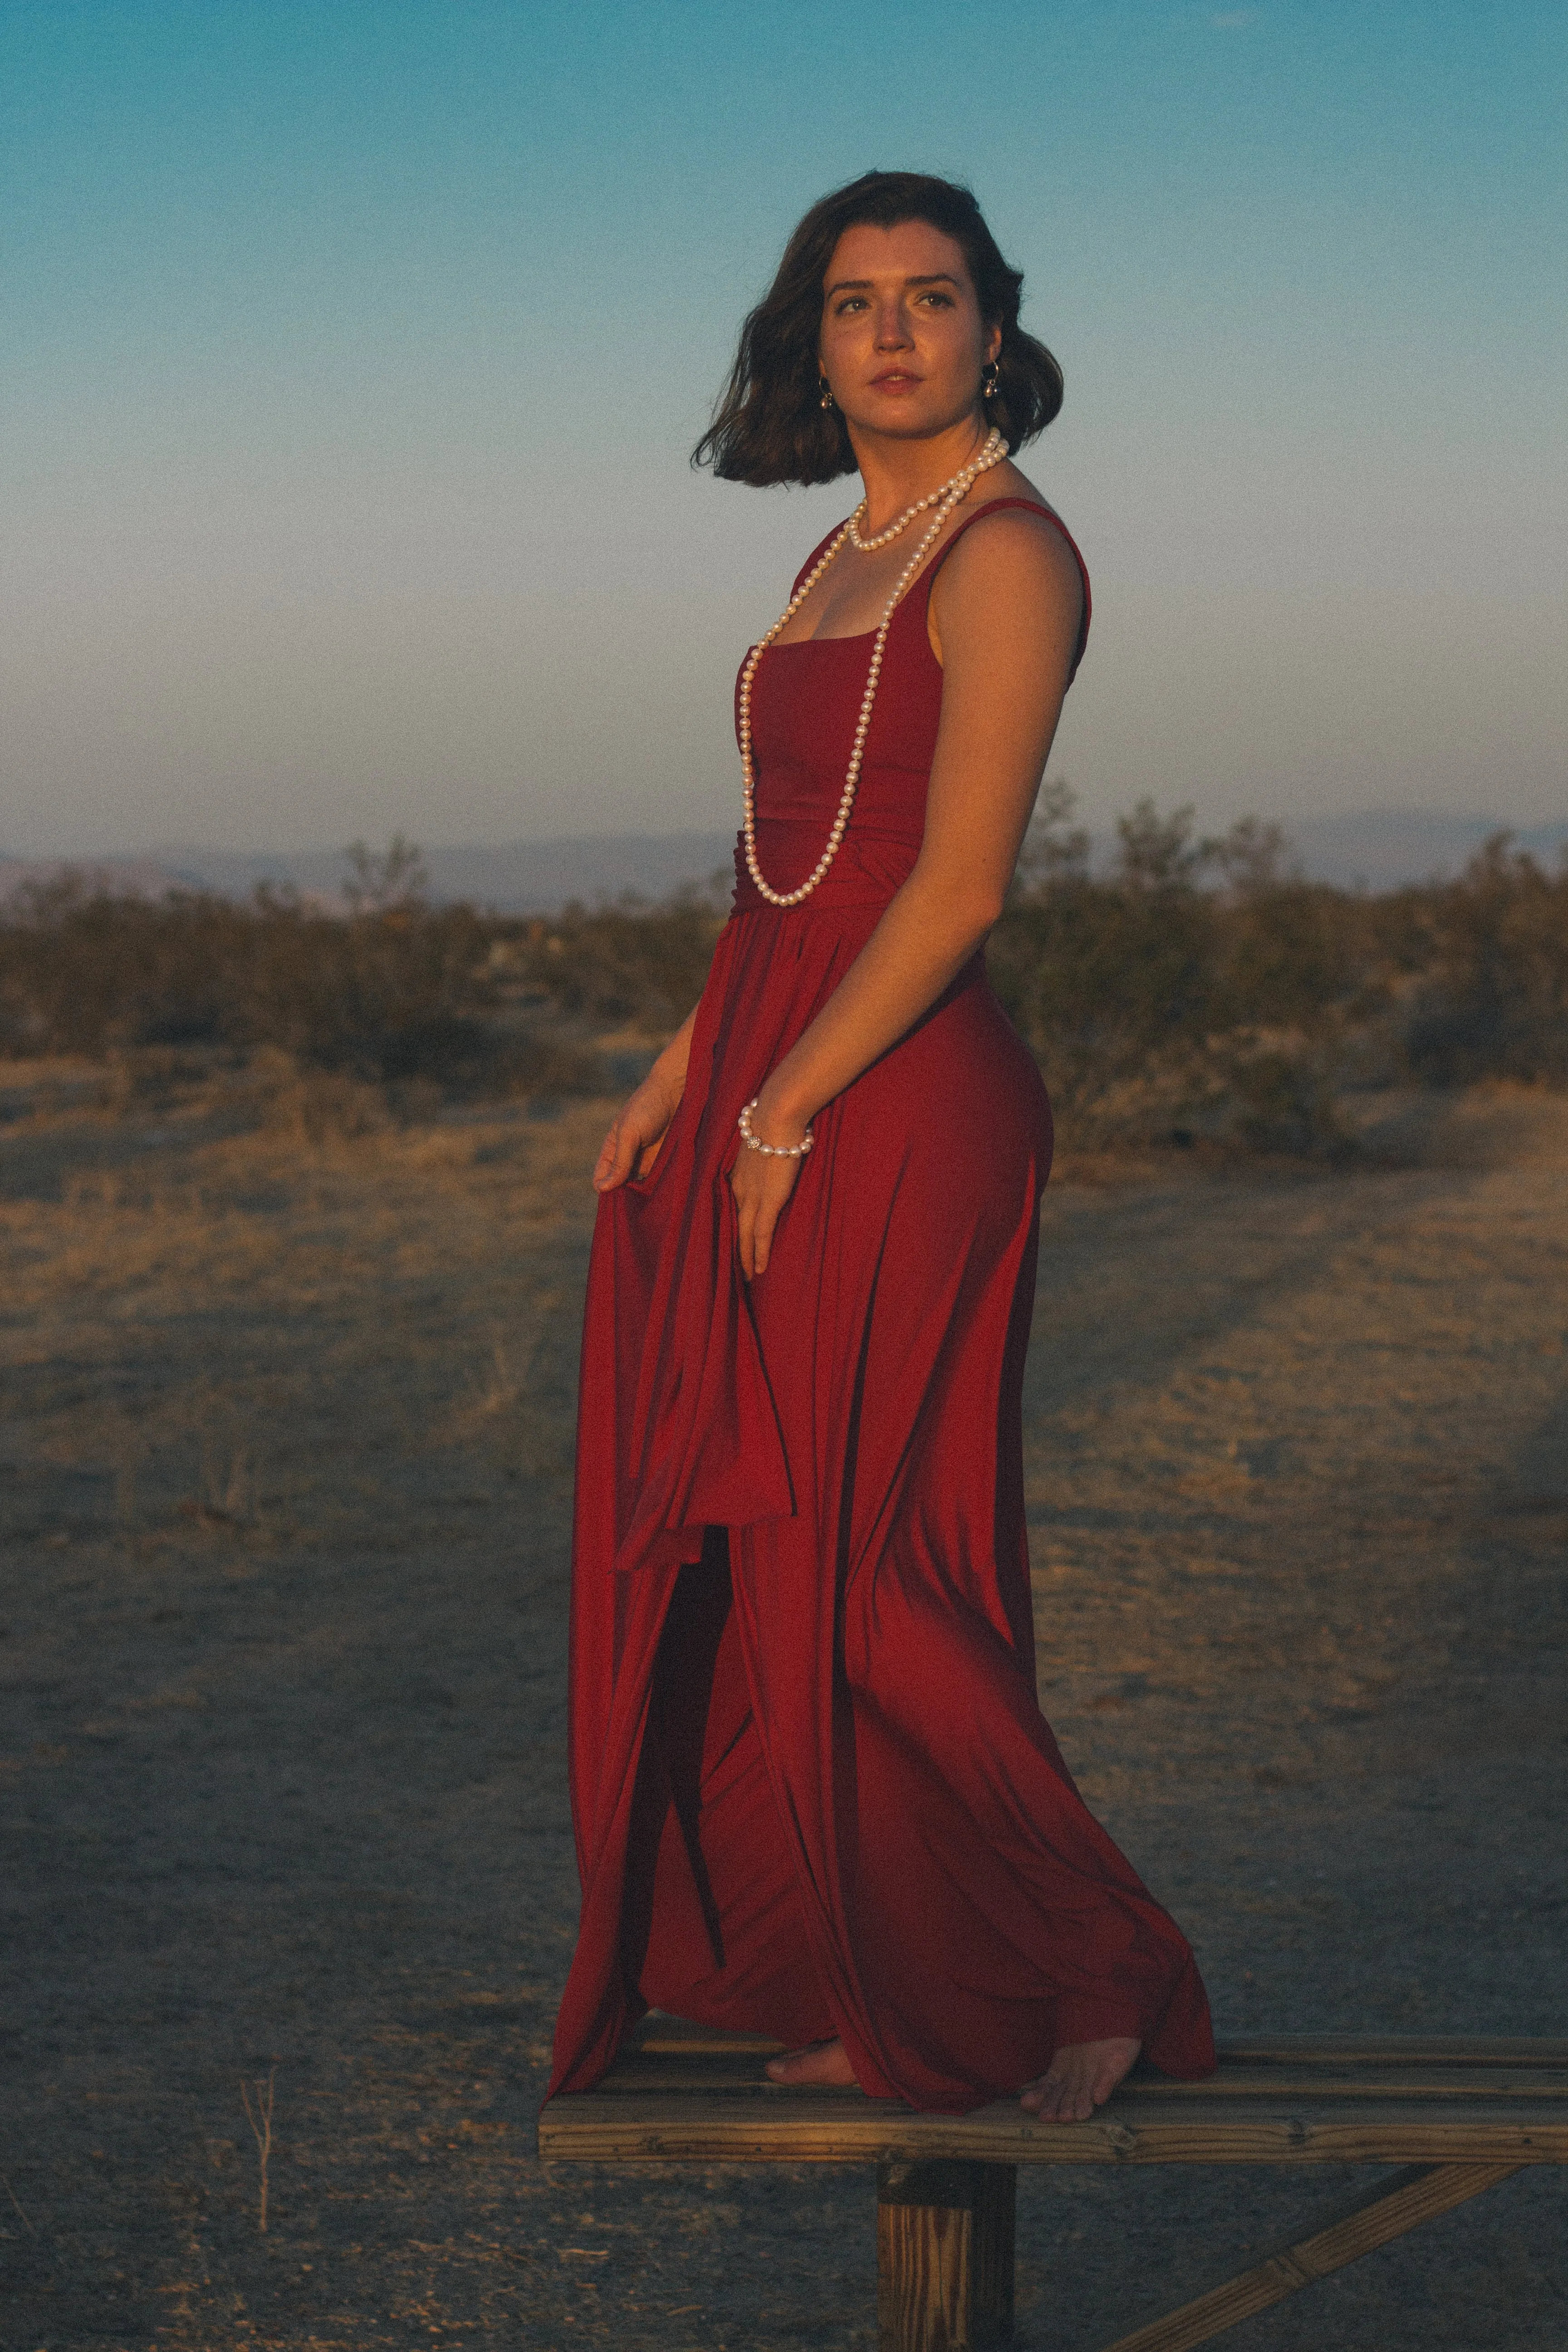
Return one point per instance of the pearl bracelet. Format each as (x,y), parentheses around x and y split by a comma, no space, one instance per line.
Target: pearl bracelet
(773,1150)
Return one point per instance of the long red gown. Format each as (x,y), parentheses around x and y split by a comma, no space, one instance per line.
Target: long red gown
(812,1787)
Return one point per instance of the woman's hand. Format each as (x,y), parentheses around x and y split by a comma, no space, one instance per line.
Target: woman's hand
(640,1127)
(761,1185)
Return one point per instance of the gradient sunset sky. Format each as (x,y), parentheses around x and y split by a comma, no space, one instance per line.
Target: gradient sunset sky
(353,353)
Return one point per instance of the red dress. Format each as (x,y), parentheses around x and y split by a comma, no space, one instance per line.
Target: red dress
(812,1787)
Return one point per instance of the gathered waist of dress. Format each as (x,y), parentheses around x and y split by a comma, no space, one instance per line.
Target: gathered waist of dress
(873,862)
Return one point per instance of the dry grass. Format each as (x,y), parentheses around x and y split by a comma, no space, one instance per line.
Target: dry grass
(284,1507)
(267,1307)
(258,2116)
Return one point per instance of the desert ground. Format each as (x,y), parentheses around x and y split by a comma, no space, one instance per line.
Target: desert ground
(284,1483)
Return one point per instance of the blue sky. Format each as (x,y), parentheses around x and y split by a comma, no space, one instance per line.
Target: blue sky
(355,350)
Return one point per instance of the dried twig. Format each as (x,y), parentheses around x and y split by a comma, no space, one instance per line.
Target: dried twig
(17,2201)
(260,2119)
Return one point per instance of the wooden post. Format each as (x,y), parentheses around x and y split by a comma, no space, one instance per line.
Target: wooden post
(944,2255)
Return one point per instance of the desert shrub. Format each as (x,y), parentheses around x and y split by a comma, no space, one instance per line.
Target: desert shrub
(82,970)
(627,964)
(1197,986)
(1102,981)
(392,990)
(1194,989)
(388,992)
(1491,952)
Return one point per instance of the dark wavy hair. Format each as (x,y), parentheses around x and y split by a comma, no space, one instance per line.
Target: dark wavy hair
(771,426)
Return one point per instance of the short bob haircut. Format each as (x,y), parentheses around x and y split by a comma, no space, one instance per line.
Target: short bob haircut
(771,426)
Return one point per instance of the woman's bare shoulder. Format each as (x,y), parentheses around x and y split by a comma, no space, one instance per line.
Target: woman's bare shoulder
(1046,525)
(1012,551)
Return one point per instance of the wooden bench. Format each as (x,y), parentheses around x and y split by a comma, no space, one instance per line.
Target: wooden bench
(1457,2115)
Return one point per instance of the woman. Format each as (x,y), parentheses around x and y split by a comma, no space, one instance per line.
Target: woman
(813,1794)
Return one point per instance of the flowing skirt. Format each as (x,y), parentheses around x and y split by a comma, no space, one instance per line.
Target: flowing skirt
(812,1787)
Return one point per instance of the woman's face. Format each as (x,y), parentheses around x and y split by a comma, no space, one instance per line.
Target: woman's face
(902,342)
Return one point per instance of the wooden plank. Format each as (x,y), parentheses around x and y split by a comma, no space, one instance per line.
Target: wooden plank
(1396,2049)
(944,2256)
(1412,2085)
(1381,2214)
(719,2077)
(723,2076)
(656,2032)
(814,2127)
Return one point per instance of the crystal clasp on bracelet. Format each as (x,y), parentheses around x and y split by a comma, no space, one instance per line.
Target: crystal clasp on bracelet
(774,1151)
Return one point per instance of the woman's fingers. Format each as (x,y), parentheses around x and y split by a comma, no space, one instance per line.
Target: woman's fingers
(633,1142)
(760,1196)
(777,1189)
(619,1158)
(742,1184)
(606,1158)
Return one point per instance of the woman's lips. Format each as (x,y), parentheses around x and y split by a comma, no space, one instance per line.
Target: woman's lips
(896,380)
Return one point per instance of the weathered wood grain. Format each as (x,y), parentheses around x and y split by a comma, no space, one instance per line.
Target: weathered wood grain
(655,2128)
(1461,2113)
(1394,2050)
(944,2256)
(725,2077)
(656,2032)
(1383,2213)
(925,2287)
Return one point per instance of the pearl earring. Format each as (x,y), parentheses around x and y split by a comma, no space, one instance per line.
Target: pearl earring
(826,400)
(988,382)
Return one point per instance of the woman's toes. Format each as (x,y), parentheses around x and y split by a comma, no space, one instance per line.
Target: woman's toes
(1043,2097)
(818,2061)
(1081,2077)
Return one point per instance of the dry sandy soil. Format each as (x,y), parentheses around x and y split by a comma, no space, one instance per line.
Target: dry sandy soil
(283,1506)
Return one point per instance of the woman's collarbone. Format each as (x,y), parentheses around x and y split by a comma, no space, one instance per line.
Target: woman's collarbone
(852,609)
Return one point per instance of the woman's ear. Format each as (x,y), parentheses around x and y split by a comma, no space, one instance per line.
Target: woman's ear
(993,345)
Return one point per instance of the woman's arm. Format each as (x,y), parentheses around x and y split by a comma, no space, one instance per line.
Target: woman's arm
(640,1125)
(1008,607)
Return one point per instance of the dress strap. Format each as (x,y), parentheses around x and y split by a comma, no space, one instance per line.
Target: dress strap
(994,505)
(819,550)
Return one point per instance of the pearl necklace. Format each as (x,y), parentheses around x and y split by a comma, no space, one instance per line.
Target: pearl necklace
(866,546)
(950,496)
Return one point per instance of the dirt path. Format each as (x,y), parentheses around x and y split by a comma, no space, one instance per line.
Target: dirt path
(282,1498)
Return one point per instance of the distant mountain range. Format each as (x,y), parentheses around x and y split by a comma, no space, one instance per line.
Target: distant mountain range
(514,877)
(1381,848)
(1377,850)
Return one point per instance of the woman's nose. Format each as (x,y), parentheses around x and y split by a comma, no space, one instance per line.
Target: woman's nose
(892,328)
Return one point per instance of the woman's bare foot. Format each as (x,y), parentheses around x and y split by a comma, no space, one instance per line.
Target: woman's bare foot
(819,2062)
(1081,2077)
